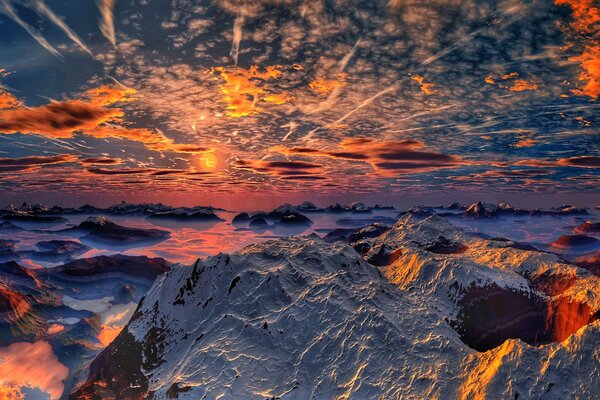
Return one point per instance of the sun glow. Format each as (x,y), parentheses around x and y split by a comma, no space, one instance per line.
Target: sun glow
(208,161)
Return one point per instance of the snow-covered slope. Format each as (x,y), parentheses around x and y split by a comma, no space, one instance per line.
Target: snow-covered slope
(299,318)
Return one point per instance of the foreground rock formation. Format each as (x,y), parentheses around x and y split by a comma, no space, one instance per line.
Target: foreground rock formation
(443,316)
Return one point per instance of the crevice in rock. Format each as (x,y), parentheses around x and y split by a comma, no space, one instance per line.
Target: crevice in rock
(490,315)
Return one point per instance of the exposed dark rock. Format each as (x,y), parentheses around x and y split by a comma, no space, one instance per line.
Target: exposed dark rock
(588,227)
(241,218)
(258,223)
(446,246)
(8,250)
(140,266)
(116,373)
(7,226)
(103,230)
(34,218)
(56,250)
(489,315)
(184,216)
(574,241)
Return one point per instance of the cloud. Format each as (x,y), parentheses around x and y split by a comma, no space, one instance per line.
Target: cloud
(57,119)
(8,100)
(512,82)
(426,88)
(245,91)
(584,31)
(39,7)
(32,365)
(92,115)
(107,23)
(323,86)
(136,171)
(126,171)
(7,9)
(590,62)
(33,163)
(101,160)
(43,10)
(581,161)
(297,170)
(386,157)
(38,160)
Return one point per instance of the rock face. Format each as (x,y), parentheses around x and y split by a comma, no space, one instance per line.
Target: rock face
(182,215)
(103,230)
(574,242)
(285,216)
(53,304)
(489,290)
(588,227)
(56,250)
(300,318)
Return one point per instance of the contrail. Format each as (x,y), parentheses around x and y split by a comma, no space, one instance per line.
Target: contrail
(7,9)
(346,59)
(107,23)
(42,9)
(349,113)
(238,23)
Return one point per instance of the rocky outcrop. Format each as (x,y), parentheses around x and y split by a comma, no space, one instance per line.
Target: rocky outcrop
(101,229)
(490,290)
(300,318)
(568,242)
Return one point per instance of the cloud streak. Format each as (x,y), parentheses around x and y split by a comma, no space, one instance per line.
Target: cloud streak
(107,23)
(387,158)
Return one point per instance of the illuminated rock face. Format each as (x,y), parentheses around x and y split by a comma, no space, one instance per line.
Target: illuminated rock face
(490,290)
(490,315)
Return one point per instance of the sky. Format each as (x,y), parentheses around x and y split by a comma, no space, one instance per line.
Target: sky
(240,102)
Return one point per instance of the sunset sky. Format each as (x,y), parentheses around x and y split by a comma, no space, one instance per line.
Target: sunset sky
(263,101)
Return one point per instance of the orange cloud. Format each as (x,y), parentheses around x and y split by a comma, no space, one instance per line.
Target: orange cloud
(518,85)
(32,163)
(585,26)
(7,100)
(526,143)
(245,90)
(297,170)
(590,62)
(323,86)
(108,333)
(92,116)
(582,161)
(32,365)
(585,14)
(426,88)
(387,158)
(101,161)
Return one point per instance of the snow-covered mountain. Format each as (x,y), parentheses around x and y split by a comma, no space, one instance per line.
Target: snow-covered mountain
(300,318)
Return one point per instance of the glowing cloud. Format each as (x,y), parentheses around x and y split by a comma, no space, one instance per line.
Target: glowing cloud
(585,28)
(426,88)
(386,157)
(323,86)
(32,365)
(245,90)
(92,116)
(282,169)
(512,82)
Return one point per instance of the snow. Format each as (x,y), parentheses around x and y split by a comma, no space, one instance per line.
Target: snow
(299,318)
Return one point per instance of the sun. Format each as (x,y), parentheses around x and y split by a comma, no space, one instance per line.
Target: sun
(208,161)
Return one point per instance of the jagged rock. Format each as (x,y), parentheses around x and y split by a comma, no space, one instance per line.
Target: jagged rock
(588,227)
(103,230)
(300,318)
